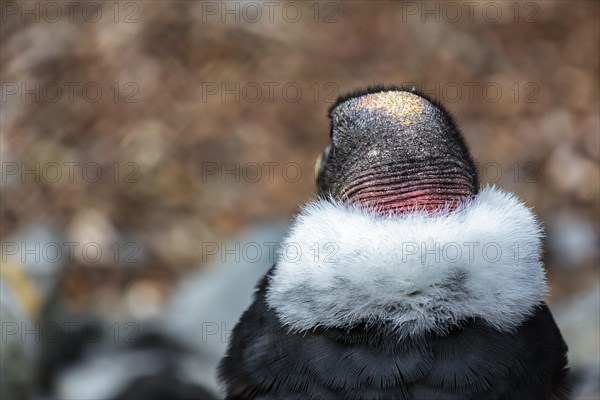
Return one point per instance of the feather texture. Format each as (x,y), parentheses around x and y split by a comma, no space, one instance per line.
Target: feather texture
(342,265)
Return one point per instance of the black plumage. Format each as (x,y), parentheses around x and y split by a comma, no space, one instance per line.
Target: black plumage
(473,361)
(394,156)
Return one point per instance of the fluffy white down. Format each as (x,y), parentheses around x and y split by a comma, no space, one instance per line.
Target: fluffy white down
(341,265)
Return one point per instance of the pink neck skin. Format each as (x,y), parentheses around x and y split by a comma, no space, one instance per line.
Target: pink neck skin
(431,194)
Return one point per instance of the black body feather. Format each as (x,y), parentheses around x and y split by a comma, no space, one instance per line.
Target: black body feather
(474,361)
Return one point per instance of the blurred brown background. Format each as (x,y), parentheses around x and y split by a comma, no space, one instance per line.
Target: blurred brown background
(151,128)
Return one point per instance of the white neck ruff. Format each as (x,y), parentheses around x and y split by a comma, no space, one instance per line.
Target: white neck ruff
(341,265)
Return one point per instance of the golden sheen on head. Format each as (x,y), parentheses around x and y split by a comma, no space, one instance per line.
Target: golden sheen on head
(404,107)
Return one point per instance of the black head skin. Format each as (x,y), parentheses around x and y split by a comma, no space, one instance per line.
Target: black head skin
(395,149)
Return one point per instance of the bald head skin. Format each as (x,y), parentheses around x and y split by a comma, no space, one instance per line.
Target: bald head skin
(395,150)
